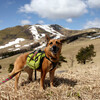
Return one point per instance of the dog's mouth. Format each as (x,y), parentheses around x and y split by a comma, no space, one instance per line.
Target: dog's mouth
(54,49)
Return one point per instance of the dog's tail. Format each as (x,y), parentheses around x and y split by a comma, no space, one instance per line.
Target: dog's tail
(12,73)
(10,77)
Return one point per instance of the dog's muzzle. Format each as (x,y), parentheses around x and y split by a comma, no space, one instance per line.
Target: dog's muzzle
(54,49)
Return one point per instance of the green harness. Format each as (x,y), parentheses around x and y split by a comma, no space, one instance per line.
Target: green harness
(35,59)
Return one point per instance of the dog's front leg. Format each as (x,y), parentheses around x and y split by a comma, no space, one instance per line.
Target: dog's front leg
(43,74)
(51,74)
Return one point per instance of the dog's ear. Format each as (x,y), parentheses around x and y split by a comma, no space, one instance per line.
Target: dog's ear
(47,38)
(62,40)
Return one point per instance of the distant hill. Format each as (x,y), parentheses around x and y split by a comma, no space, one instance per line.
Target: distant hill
(14,32)
(35,33)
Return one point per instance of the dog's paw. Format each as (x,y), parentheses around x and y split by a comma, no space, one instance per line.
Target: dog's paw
(41,89)
(52,87)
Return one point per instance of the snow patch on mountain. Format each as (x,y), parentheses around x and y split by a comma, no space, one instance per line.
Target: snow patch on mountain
(17,45)
(95,37)
(41,46)
(12,43)
(34,32)
(47,28)
(16,49)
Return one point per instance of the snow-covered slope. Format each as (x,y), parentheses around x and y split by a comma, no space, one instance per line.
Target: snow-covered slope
(17,43)
(47,28)
(24,37)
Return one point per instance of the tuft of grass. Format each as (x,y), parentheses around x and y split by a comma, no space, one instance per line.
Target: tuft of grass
(77,94)
(11,66)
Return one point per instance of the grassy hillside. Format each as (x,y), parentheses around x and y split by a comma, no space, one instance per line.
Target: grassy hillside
(14,32)
(68,32)
(73,81)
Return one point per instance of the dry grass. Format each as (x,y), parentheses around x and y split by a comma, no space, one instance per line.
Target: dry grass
(81,83)
(77,82)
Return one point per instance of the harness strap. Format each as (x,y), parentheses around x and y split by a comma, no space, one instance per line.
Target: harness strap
(35,52)
(53,63)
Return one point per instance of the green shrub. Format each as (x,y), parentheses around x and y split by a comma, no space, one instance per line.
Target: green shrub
(85,54)
(62,59)
(11,66)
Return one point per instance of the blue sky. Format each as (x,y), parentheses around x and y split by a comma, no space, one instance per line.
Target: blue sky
(76,14)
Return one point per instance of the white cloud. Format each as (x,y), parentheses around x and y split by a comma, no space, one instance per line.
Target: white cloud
(67,28)
(93,24)
(41,22)
(93,3)
(55,9)
(25,22)
(28,17)
(69,20)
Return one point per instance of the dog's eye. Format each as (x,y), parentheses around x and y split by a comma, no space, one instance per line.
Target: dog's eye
(57,42)
(51,43)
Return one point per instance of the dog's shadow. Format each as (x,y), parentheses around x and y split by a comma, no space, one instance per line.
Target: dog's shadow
(57,82)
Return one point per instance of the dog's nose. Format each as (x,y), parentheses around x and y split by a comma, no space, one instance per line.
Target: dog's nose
(54,49)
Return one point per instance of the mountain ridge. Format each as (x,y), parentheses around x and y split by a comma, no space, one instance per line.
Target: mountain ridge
(36,33)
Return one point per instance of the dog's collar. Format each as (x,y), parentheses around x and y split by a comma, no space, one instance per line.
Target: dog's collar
(53,63)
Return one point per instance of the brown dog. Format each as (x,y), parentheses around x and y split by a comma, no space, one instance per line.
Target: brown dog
(52,52)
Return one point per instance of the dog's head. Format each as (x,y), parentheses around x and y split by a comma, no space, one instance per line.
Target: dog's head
(53,48)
